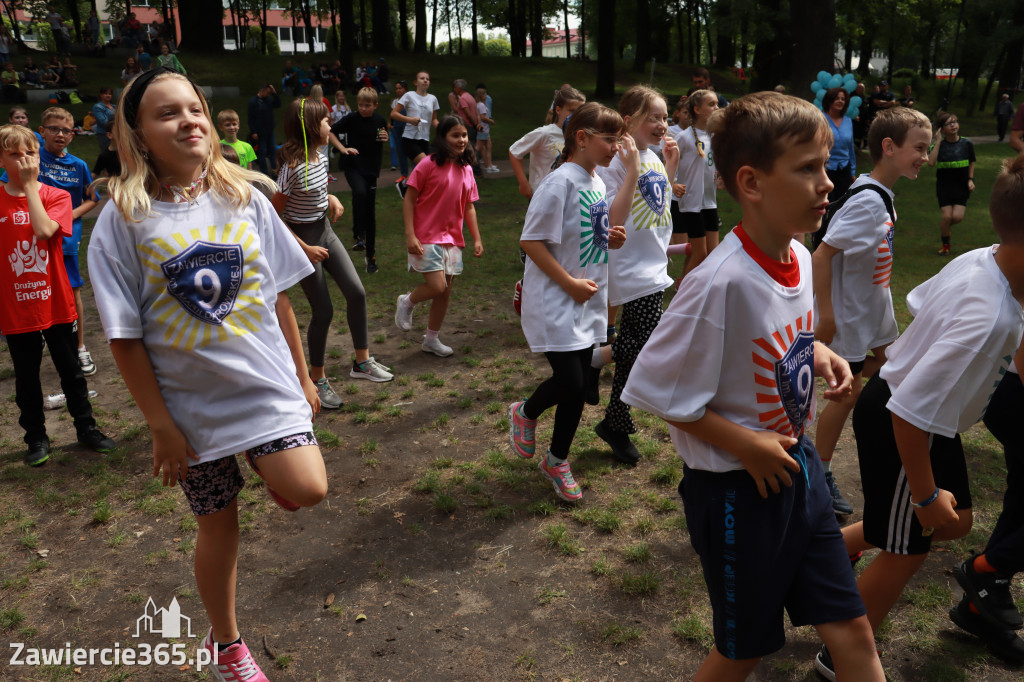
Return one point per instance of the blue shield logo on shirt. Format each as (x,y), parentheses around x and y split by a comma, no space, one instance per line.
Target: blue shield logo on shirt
(205,279)
(653,188)
(794,376)
(600,223)
(889,234)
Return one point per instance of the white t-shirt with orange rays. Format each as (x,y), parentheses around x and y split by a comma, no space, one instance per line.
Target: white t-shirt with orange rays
(199,286)
(861,299)
(737,339)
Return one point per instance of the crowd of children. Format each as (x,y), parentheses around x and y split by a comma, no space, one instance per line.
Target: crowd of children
(196,318)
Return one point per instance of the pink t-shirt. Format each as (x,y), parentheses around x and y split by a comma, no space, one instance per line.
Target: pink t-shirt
(440,207)
(466,104)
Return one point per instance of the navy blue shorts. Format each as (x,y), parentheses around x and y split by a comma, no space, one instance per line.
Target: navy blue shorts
(760,556)
(71,266)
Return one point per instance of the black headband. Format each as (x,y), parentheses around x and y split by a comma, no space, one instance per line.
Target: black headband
(137,87)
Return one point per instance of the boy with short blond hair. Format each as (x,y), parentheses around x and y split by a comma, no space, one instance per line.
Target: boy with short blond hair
(228,123)
(853,264)
(731,368)
(36,301)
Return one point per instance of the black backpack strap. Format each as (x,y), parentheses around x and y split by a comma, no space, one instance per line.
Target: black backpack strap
(834,207)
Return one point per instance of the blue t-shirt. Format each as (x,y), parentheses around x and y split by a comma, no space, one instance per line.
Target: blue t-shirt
(71,174)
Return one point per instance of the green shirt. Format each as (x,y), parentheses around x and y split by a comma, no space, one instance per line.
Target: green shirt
(245,152)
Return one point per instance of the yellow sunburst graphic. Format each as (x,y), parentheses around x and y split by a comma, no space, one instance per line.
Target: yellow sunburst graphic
(650,198)
(209,288)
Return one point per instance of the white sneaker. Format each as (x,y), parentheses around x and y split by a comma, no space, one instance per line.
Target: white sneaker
(403,313)
(436,347)
(371,371)
(492,169)
(86,363)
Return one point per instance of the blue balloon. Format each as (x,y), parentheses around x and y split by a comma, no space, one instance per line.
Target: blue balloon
(855,102)
(824,76)
(849,86)
(853,112)
(816,86)
(835,82)
(819,95)
(849,77)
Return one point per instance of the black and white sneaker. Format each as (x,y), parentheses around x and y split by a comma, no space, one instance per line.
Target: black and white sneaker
(401,186)
(823,664)
(990,593)
(1000,641)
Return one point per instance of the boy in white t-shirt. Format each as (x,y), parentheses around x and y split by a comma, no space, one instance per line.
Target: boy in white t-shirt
(936,383)
(731,368)
(852,267)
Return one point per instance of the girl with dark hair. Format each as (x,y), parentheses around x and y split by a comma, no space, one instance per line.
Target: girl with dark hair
(842,161)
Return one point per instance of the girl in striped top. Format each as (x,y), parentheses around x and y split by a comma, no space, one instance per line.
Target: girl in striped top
(309,210)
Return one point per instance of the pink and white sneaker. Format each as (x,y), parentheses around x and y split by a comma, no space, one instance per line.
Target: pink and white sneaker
(287,505)
(234,664)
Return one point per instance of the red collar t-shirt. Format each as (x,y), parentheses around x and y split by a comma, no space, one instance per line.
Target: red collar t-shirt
(34,289)
(786,274)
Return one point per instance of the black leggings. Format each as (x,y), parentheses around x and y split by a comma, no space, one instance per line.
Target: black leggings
(1005,549)
(364,216)
(565,389)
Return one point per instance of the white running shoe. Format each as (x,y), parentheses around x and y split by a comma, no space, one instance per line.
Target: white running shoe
(403,313)
(436,347)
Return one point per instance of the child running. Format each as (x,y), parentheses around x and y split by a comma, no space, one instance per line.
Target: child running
(191,268)
(567,237)
(954,178)
(305,205)
(638,194)
(696,184)
(731,368)
(852,267)
(439,199)
(420,115)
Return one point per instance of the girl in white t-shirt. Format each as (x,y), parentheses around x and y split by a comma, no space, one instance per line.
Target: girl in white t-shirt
(567,236)
(191,268)
(543,144)
(340,109)
(637,183)
(420,115)
(696,181)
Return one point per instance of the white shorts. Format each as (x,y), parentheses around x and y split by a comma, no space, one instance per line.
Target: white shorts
(446,258)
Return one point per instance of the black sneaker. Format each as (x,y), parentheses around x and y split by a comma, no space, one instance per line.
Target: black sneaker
(840,505)
(371,266)
(38,453)
(622,448)
(401,186)
(1002,642)
(592,394)
(359,245)
(823,664)
(96,441)
(990,593)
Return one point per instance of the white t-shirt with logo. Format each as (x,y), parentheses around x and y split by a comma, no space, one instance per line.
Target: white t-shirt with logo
(640,267)
(543,144)
(967,327)
(570,214)
(735,341)
(199,286)
(861,299)
(421,107)
(695,171)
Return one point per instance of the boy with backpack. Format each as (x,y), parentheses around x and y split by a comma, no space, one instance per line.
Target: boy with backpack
(852,266)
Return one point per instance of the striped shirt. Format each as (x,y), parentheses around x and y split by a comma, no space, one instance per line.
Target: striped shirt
(306,191)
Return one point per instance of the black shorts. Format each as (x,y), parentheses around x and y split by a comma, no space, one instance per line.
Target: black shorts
(856,367)
(414,148)
(696,225)
(952,193)
(889,519)
(760,556)
(678,227)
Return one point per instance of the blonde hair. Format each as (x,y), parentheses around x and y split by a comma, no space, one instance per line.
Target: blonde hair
(756,129)
(1006,200)
(367,95)
(894,123)
(133,189)
(225,115)
(14,136)
(637,103)
(57,112)
(316,91)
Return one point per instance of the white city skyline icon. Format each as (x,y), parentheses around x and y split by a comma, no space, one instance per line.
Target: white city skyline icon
(163,622)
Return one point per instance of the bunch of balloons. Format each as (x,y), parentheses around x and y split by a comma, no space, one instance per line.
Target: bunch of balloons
(827,81)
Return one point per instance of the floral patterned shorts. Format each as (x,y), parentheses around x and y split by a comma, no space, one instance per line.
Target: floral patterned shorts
(209,487)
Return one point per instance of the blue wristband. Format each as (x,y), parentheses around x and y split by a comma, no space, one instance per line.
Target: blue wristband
(922,505)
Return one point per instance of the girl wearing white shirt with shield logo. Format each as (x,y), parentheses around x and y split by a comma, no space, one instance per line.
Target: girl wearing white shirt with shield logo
(697,182)
(567,236)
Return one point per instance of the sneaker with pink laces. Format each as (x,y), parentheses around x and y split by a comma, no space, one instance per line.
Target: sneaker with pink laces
(521,430)
(517,298)
(287,505)
(561,478)
(234,664)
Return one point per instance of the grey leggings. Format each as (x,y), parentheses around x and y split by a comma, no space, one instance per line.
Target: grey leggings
(339,266)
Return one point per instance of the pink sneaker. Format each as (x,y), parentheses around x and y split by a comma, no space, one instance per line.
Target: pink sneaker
(560,477)
(521,430)
(517,298)
(234,664)
(287,505)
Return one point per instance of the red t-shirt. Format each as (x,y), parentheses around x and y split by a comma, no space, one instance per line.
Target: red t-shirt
(34,289)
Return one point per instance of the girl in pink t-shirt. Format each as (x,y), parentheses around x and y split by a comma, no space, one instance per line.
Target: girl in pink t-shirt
(439,198)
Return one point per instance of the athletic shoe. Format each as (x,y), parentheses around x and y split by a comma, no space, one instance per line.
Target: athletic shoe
(492,169)
(329,400)
(370,371)
(521,430)
(840,505)
(381,365)
(331,178)
(1002,642)
(990,594)
(592,393)
(234,664)
(359,245)
(86,363)
(38,453)
(944,251)
(436,347)
(517,298)
(394,168)
(401,186)
(561,478)
(371,266)
(622,447)
(287,505)
(96,441)
(403,313)
(823,664)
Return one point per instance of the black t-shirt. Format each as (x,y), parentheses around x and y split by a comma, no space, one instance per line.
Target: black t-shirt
(362,134)
(954,160)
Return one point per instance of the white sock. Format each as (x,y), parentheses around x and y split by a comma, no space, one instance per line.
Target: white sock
(596,360)
(554,461)
(432,335)
(407,300)
(826,464)
(81,348)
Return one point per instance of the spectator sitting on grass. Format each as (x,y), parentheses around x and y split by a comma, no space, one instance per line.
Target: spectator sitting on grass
(69,73)
(131,69)
(48,76)
(10,82)
(30,74)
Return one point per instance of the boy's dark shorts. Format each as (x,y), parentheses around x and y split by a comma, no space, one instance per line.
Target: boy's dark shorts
(210,486)
(760,556)
(414,148)
(952,193)
(889,519)
(71,267)
(697,224)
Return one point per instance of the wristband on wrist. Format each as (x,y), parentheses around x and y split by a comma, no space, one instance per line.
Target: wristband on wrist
(934,496)
(971,179)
